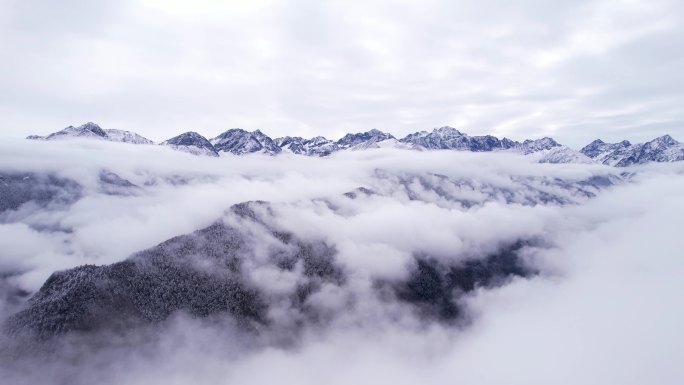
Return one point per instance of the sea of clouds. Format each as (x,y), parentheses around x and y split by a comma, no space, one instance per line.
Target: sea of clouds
(605,306)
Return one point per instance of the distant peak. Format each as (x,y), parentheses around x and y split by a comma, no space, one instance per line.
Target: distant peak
(546,140)
(90,126)
(87,129)
(185,137)
(447,129)
(232,131)
(666,139)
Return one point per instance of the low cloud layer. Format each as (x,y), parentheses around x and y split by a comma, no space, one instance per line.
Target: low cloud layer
(601,307)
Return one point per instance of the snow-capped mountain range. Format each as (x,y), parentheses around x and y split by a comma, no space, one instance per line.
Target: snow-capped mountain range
(237,141)
(92,130)
(623,154)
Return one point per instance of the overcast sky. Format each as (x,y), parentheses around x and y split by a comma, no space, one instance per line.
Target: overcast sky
(575,70)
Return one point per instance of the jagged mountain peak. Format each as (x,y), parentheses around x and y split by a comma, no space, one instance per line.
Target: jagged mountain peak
(449,138)
(369,134)
(545,141)
(664,140)
(88,130)
(623,154)
(375,131)
(316,146)
(89,127)
(191,142)
(600,149)
(92,127)
(530,146)
(239,142)
(319,139)
(447,130)
(363,139)
(94,131)
(232,131)
(186,138)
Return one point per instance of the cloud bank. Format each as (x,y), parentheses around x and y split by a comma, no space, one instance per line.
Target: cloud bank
(601,306)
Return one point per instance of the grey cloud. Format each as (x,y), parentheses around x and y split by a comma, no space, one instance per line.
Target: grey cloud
(326,68)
